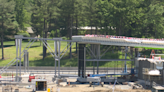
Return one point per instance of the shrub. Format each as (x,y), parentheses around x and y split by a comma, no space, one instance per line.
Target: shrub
(64,38)
(24,33)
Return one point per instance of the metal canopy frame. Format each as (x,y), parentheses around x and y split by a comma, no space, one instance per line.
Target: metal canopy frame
(57,55)
(105,41)
(94,51)
(109,59)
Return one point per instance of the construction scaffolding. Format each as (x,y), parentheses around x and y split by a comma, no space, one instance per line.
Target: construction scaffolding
(87,44)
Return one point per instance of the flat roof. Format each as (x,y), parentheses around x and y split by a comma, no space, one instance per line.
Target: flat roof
(120,41)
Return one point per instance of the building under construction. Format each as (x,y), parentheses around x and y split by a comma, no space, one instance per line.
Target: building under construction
(147,69)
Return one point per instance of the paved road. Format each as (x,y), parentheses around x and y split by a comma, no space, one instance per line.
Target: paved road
(63,68)
(64,71)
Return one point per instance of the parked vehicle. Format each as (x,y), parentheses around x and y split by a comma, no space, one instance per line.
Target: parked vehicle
(31,76)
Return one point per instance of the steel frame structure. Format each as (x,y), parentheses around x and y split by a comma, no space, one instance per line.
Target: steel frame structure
(56,54)
(94,51)
(118,42)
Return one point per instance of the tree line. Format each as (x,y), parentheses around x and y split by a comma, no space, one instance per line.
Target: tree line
(63,18)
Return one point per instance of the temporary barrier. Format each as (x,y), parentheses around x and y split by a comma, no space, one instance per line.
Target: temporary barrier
(48,90)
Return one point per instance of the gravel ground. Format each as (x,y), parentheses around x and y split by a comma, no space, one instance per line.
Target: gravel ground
(77,88)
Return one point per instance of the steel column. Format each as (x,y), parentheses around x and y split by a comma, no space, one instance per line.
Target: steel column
(98,57)
(55,47)
(84,62)
(125,67)
(70,52)
(27,62)
(16,41)
(81,60)
(20,44)
(24,63)
(93,49)
(131,52)
(58,58)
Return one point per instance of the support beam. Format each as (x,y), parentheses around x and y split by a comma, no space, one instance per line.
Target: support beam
(25,60)
(66,50)
(131,54)
(104,48)
(93,53)
(125,67)
(44,43)
(18,56)
(29,46)
(81,60)
(20,46)
(109,59)
(58,58)
(156,54)
(55,47)
(50,49)
(16,77)
(70,52)
(84,62)
(54,39)
(106,51)
(98,57)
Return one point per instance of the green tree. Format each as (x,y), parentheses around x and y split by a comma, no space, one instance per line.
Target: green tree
(153,19)
(124,15)
(43,11)
(7,20)
(78,14)
(22,15)
(67,9)
(90,11)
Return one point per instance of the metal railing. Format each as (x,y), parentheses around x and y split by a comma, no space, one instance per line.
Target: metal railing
(62,72)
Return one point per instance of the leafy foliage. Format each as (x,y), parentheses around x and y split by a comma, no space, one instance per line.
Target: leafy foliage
(136,18)
(24,33)
(8,25)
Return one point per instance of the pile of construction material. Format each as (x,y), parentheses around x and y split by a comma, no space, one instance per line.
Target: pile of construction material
(62,82)
(135,85)
(10,88)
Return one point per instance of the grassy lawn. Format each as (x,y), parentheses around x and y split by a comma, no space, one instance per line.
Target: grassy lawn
(35,56)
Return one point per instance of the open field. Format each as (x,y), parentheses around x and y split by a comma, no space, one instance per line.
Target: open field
(35,56)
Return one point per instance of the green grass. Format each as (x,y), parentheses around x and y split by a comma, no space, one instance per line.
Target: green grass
(9,74)
(35,56)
